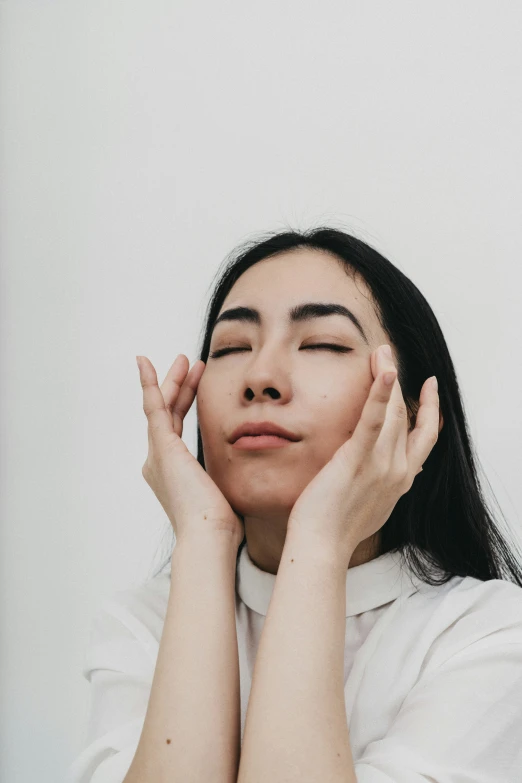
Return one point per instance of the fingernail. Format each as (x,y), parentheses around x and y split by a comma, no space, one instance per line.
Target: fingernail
(386,351)
(138,362)
(435,383)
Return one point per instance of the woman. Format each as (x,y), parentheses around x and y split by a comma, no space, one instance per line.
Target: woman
(341,604)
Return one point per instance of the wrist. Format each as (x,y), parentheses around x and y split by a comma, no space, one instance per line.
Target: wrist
(332,552)
(219,543)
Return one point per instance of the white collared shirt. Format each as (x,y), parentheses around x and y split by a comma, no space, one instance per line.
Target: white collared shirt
(433,675)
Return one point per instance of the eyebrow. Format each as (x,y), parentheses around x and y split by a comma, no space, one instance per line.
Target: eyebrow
(302,312)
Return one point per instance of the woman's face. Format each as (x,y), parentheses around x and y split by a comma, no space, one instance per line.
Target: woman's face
(315,393)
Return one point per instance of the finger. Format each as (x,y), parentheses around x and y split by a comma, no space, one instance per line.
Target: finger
(424,435)
(159,419)
(173,382)
(373,415)
(173,388)
(394,434)
(187,395)
(179,389)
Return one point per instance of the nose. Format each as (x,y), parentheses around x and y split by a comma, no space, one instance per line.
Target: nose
(267,377)
(250,394)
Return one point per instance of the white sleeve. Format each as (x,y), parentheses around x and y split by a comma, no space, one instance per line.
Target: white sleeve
(463,722)
(120,672)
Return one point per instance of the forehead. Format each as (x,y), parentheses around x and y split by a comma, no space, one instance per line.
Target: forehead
(275,284)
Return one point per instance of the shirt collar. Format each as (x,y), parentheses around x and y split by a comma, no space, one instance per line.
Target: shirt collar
(368,585)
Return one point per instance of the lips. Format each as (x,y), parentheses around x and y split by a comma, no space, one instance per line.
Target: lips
(262,428)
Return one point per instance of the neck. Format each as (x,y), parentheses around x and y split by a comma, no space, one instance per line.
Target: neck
(265,545)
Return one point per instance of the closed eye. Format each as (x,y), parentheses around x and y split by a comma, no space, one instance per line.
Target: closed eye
(325,346)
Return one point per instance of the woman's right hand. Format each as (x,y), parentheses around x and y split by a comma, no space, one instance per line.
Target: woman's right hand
(192,501)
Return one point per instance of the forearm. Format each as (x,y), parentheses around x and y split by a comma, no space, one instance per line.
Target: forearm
(296,727)
(191,731)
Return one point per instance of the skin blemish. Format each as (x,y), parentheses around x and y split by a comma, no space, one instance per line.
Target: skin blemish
(168,742)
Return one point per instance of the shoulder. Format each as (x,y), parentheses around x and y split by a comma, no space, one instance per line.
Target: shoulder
(126,629)
(146,603)
(448,684)
(467,614)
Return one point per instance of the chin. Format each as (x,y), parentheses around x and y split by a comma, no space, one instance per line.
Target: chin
(258,504)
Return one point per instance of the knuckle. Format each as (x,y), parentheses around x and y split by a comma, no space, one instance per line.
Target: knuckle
(147,408)
(381,396)
(381,469)
(383,475)
(374,424)
(400,473)
(400,411)
(389,471)
(407,484)
(358,471)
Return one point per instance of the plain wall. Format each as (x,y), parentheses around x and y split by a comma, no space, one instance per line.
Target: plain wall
(140,142)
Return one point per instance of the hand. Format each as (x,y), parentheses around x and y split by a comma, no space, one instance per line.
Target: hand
(354,494)
(191,500)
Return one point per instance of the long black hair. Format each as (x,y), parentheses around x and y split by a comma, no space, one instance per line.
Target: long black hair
(442,526)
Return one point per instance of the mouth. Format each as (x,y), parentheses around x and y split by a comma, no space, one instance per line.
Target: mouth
(258,442)
(252,429)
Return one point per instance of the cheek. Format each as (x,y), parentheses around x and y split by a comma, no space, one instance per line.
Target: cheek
(203,410)
(206,393)
(338,410)
(211,413)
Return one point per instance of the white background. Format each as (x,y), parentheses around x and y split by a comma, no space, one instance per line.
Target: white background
(140,143)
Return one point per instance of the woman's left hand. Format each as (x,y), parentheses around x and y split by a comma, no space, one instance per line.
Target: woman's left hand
(354,494)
